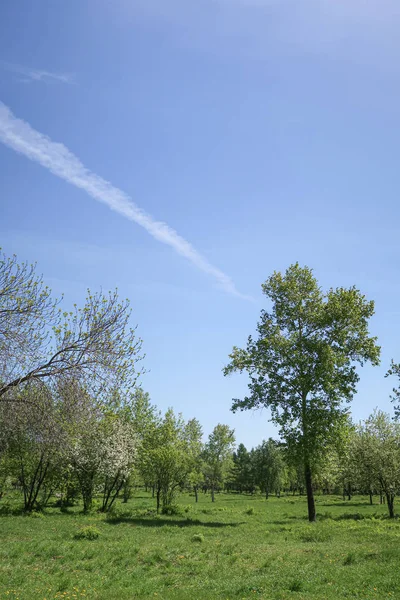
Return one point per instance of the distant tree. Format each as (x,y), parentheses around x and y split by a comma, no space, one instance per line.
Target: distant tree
(164,458)
(348,470)
(193,433)
(218,456)
(378,452)
(327,472)
(38,342)
(144,417)
(295,476)
(268,466)
(242,470)
(303,364)
(117,458)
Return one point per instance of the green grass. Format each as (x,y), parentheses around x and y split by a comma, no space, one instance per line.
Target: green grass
(241,547)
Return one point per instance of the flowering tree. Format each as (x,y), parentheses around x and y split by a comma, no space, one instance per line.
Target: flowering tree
(118,451)
(33,441)
(101,452)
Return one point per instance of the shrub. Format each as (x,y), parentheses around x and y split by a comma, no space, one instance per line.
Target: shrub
(171,510)
(351,516)
(36,515)
(6,509)
(249,511)
(198,537)
(87,533)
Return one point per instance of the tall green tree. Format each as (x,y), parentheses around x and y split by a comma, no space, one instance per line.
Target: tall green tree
(218,456)
(303,363)
(193,433)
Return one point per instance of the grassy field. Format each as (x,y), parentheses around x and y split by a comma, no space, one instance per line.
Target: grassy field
(241,547)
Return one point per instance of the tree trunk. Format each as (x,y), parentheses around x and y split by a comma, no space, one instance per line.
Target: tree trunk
(390,503)
(196,493)
(310,493)
(158,497)
(212,494)
(370,498)
(266,493)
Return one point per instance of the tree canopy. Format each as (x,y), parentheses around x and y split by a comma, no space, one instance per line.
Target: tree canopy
(39,342)
(303,363)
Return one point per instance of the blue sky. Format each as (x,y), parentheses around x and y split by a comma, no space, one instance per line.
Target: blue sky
(263,132)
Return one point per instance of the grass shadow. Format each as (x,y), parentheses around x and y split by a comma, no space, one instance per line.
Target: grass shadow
(161,522)
(346,503)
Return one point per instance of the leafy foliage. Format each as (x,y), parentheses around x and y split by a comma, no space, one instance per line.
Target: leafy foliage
(38,342)
(302,366)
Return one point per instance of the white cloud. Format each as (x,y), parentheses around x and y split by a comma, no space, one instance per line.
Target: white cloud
(27,75)
(21,137)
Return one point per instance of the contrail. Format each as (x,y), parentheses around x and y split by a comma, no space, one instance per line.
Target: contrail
(21,137)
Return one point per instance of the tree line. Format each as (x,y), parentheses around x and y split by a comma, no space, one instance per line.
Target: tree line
(73,421)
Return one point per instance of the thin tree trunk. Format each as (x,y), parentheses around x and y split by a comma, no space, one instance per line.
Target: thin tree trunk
(196,493)
(310,494)
(370,498)
(158,497)
(390,503)
(212,494)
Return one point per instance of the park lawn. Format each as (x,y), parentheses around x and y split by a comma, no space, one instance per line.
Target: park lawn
(240,547)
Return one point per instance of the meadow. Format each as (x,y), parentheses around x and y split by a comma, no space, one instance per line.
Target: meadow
(239,547)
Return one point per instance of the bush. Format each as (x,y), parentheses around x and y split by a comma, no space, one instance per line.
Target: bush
(87,533)
(171,510)
(249,511)
(6,509)
(198,537)
(36,515)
